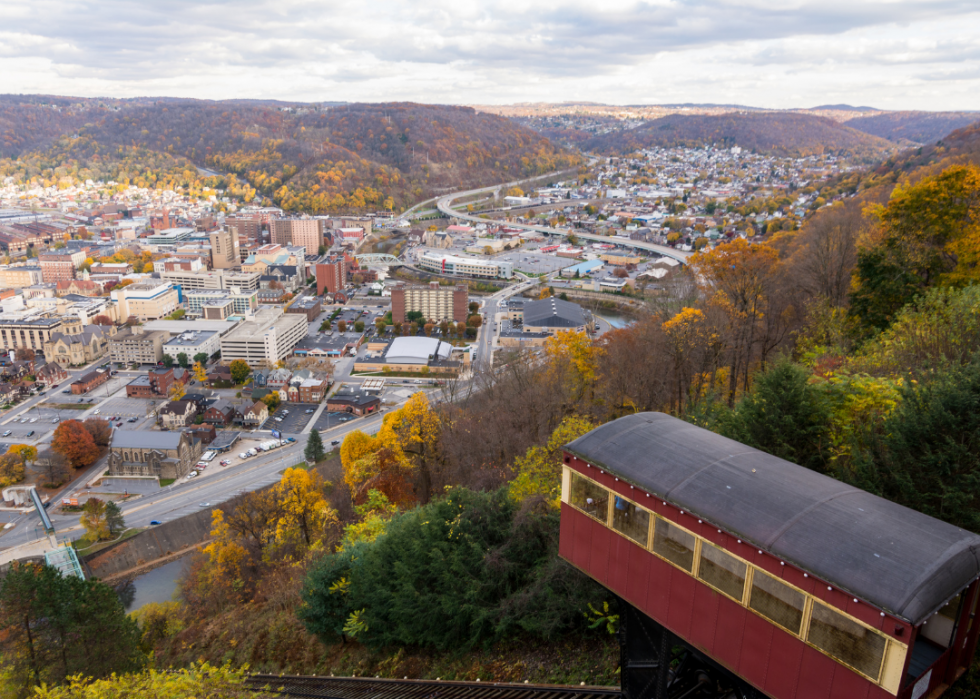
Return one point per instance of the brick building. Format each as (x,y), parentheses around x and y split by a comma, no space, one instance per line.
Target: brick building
(225,249)
(86,382)
(155,384)
(331,274)
(56,267)
(434,302)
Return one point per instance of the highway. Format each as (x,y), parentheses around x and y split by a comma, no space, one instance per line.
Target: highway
(445,206)
(185,497)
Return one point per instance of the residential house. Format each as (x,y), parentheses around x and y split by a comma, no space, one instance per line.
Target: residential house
(219,374)
(278,378)
(205,433)
(220,413)
(9,393)
(51,374)
(177,414)
(256,415)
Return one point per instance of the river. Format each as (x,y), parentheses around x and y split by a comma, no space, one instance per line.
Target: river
(158,585)
(615,320)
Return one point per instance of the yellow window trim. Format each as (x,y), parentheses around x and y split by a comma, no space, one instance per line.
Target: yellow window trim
(893,659)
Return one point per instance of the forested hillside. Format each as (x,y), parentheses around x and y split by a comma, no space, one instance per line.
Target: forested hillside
(304,157)
(774,133)
(918,127)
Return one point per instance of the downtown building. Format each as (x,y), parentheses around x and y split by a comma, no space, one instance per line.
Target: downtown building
(434,302)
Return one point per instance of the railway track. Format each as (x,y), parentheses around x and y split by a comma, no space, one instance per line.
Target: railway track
(374,688)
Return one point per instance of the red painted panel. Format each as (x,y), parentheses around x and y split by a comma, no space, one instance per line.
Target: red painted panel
(770,564)
(681,603)
(713,535)
(754,660)
(816,675)
(729,633)
(599,561)
(618,563)
(582,537)
(639,577)
(849,685)
(658,593)
(566,533)
(794,576)
(704,618)
(785,657)
(866,613)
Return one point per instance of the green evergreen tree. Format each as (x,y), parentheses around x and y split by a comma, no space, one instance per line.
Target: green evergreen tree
(783,415)
(168,361)
(54,626)
(114,518)
(183,360)
(928,457)
(314,447)
(201,358)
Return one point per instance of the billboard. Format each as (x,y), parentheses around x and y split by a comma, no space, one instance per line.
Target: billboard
(277,434)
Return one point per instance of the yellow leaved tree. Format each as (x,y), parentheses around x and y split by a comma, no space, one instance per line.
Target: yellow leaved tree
(304,514)
(200,373)
(539,470)
(573,362)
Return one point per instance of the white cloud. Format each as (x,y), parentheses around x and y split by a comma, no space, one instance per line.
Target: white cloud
(915,54)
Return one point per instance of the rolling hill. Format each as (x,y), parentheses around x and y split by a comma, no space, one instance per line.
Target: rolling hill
(309,157)
(918,127)
(773,133)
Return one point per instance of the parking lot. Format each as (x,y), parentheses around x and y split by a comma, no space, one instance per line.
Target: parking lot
(293,423)
(328,420)
(534,263)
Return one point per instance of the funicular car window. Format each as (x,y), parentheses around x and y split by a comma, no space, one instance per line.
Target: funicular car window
(631,520)
(674,544)
(722,571)
(777,601)
(846,640)
(589,497)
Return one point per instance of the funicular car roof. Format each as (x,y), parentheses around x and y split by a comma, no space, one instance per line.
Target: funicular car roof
(900,560)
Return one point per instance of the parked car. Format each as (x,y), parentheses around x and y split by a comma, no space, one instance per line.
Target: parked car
(243,455)
(68,391)
(55,420)
(290,440)
(225,462)
(96,411)
(33,419)
(335,442)
(31,433)
(154,522)
(251,452)
(7,433)
(190,475)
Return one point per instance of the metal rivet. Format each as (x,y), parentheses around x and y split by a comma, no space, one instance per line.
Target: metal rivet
(648,494)
(631,487)
(682,511)
(782,563)
(882,613)
(665,502)
(855,600)
(760,551)
(740,541)
(805,575)
(829,587)
(700,522)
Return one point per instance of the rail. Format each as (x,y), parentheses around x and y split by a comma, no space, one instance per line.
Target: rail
(375,688)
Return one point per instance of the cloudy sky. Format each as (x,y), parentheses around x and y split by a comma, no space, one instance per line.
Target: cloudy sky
(895,54)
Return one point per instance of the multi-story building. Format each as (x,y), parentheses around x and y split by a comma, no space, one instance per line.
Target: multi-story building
(59,266)
(155,384)
(307,305)
(17,277)
(177,264)
(433,302)
(466,266)
(192,343)
(300,232)
(148,300)
(225,249)
(242,302)
(169,236)
(349,235)
(363,222)
(267,335)
(216,279)
(248,231)
(135,345)
(331,274)
(30,330)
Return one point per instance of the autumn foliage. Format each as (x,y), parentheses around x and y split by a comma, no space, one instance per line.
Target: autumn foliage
(75,443)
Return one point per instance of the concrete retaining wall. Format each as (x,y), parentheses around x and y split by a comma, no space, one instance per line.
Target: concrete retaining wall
(150,545)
